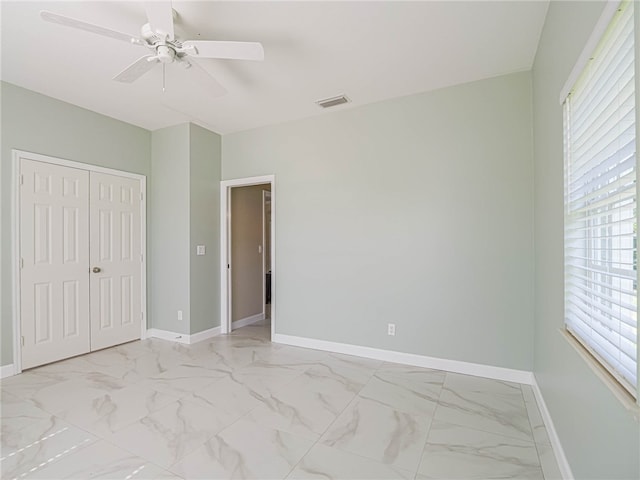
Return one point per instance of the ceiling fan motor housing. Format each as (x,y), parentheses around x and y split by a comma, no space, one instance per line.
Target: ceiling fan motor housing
(165,53)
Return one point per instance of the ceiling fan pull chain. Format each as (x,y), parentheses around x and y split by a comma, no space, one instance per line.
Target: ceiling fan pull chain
(163,77)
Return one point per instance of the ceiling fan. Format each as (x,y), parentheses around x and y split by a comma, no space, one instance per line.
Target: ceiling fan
(158,36)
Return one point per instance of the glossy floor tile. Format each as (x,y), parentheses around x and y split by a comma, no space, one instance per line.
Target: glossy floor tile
(324,462)
(169,434)
(454,451)
(483,404)
(245,450)
(379,432)
(238,406)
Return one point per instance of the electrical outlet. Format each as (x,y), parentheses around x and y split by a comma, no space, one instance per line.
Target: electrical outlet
(391,329)
(179,315)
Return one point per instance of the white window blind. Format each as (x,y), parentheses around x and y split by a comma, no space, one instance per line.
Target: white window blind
(600,203)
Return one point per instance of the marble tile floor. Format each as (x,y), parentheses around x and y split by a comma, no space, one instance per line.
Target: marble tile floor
(238,406)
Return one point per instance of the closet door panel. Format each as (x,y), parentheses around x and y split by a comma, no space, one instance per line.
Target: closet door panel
(54,251)
(115,260)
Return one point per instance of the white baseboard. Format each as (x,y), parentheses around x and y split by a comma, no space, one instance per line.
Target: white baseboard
(204,335)
(7,371)
(563,463)
(167,335)
(243,322)
(455,366)
(183,337)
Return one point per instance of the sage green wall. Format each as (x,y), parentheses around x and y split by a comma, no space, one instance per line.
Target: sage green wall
(416,211)
(600,437)
(41,124)
(182,164)
(205,159)
(169,229)
(185,198)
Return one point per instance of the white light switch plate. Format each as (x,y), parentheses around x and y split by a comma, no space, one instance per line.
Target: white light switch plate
(200,250)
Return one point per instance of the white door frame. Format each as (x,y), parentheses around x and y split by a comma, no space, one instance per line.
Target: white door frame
(225,257)
(15,247)
(265,194)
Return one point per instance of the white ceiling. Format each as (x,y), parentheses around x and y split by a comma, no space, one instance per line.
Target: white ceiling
(369,51)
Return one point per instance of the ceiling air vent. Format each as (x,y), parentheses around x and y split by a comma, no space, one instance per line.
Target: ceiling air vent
(333,101)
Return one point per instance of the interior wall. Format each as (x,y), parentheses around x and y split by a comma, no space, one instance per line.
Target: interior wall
(182,165)
(41,124)
(416,211)
(169,196)
(185,195)
(601,438)
(204,212)
(246,261)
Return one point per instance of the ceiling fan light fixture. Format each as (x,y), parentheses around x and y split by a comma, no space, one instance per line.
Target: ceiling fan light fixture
(333,101)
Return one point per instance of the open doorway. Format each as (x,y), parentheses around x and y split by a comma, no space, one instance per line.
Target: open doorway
(266,257)
(248,254)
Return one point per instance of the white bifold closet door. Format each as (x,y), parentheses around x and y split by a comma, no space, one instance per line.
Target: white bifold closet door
(115,260)
(80,275)
(54,290)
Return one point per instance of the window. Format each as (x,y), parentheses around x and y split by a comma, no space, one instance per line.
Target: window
(600,238)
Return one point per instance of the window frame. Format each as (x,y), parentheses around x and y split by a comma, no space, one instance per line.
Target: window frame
(590,241)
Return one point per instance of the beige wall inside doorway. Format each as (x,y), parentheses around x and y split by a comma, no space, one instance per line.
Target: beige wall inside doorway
(246,257)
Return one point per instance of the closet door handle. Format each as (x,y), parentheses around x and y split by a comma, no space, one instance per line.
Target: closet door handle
(97,269)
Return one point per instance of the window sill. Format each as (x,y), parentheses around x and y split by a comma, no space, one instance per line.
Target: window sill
(618,391)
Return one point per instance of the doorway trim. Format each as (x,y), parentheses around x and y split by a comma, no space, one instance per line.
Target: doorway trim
(15,244)
(225,246)
(265,194)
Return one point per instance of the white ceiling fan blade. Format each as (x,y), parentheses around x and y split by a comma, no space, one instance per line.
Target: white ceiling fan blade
(204,78)
(231,50)
(135,70)
(89,27)
(160,16)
